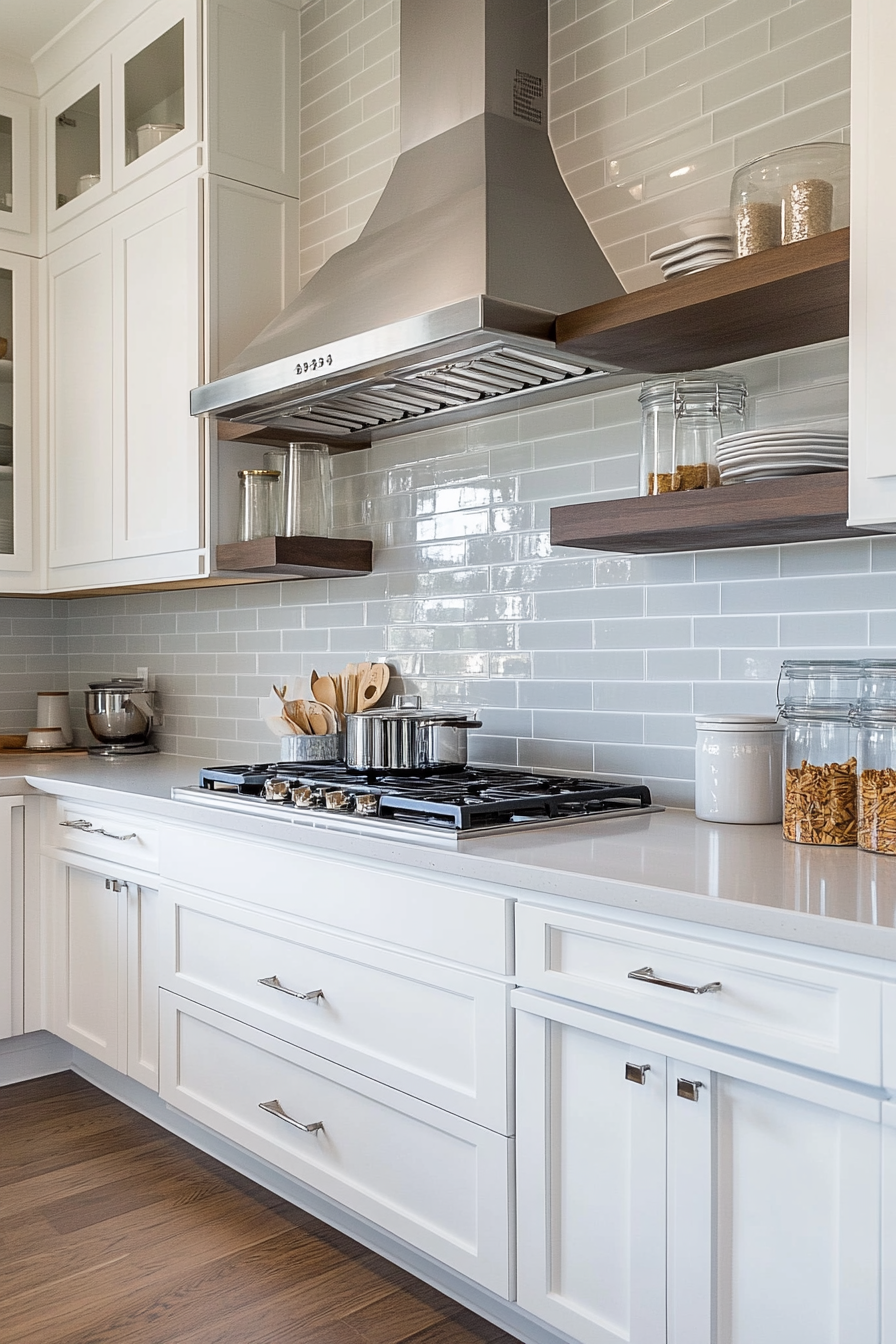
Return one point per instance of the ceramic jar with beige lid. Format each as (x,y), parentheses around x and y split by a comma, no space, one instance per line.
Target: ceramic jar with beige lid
(739,769)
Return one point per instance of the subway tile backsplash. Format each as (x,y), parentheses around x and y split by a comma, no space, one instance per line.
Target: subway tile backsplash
(578,661)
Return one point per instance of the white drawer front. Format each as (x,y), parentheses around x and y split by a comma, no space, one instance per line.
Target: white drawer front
(811,1016)
(438,1182)
(390,904)
(104,833)
(435,1031)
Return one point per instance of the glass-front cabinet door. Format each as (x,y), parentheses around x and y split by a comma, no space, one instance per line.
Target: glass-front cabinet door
(78,142)
(16,394)
(155,89)
(15,165)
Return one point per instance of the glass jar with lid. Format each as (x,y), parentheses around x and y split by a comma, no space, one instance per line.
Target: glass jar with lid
(819,683)
(820,793)
(877,687)
(682,417)
(876,754)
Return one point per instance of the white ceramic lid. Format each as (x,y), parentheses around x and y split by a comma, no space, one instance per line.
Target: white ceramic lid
(739,723)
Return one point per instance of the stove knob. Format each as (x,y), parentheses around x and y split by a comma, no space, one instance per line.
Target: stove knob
(318,797)
(302,796)
(366,804)
(276,790)
(336,800)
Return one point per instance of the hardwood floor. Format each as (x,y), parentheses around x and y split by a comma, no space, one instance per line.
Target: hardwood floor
(113,1231)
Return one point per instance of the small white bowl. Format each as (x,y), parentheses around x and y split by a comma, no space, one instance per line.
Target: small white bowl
(45,739)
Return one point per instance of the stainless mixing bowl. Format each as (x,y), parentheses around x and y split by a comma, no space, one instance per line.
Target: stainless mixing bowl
(119,712)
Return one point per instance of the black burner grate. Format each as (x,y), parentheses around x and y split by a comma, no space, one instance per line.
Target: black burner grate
(464,800)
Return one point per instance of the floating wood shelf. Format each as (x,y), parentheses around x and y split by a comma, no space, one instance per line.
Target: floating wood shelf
(765,513)
(297,557)
(776,300)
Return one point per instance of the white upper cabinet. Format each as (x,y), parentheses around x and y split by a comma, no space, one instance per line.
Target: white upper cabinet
(78,142)
(872,483)
(16,212)
(156,79)
(17,288)
(253,93)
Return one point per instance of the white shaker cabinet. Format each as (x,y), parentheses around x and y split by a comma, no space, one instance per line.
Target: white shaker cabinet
(668,1192)
(125,454)
(872,477)
(99,969)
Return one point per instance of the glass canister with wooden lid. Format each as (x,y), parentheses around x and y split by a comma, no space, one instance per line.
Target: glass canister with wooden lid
(818,700)
(682,417)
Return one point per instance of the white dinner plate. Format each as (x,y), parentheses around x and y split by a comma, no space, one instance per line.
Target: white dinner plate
(770,469)
(784,435)
(701,240)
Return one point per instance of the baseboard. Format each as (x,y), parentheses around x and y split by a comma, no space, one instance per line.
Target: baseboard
(32,1056)
(508,1315)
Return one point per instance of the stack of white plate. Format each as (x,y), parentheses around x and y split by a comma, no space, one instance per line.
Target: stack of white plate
(763,453)
(694,254)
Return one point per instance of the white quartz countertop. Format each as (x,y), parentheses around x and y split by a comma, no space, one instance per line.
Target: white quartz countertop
(746,878)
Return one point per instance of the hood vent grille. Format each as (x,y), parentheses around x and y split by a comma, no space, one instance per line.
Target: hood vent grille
(506,371)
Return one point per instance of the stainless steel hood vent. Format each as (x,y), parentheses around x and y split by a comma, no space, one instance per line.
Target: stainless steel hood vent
(444,307)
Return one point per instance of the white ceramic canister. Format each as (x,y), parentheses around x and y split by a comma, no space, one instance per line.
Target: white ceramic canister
(53,712)
(739,769)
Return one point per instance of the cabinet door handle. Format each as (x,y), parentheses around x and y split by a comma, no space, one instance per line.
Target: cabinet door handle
(647,977)
(271,982)
(637,1073)
(274,1108)
(113,884)
(90,829)
(689,1090)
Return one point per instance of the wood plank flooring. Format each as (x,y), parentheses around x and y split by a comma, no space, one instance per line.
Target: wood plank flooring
(113,1231)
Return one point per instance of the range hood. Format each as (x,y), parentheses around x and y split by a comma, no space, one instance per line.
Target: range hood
(444,307)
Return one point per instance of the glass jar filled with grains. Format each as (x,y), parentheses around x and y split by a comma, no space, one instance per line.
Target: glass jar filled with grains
(791,195)
(818,701)
(876,753)
(682,417)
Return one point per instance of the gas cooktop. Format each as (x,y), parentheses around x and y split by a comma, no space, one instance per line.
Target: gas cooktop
(453,806)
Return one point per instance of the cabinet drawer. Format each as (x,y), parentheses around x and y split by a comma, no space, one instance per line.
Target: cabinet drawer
(437,1181)
(811,1016)
(435,1031)
(393,905)
(79,828)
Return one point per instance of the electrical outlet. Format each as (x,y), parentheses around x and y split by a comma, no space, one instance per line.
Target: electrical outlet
(149,680)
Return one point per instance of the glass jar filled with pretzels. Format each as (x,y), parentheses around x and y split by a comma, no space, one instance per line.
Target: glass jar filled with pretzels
(818,701)
(876,753)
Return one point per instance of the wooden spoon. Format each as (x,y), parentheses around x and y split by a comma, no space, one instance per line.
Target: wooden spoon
(373,686)
(324,691)
(317,718)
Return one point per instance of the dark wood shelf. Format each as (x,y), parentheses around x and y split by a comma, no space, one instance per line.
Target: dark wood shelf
(765,513)
(776,300)
(297,557)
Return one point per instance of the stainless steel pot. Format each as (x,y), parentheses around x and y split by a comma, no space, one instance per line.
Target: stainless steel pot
(119,713)
(405,737)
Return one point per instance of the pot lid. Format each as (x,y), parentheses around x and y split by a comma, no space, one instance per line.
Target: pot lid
(117,684)
(409,707)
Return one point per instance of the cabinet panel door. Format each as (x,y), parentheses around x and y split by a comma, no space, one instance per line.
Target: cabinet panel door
(797,1212)
(888,1246)
(80,400)
(253,64)
(88,966)
(253,264)
(591,1184)
(157,465)
(143,985)
(12,951)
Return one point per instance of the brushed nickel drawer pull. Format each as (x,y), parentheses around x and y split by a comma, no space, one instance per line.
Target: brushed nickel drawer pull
(689,1090)
(647,977)
(274,1108)
(637,1073)
(271,982)
(90,829)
